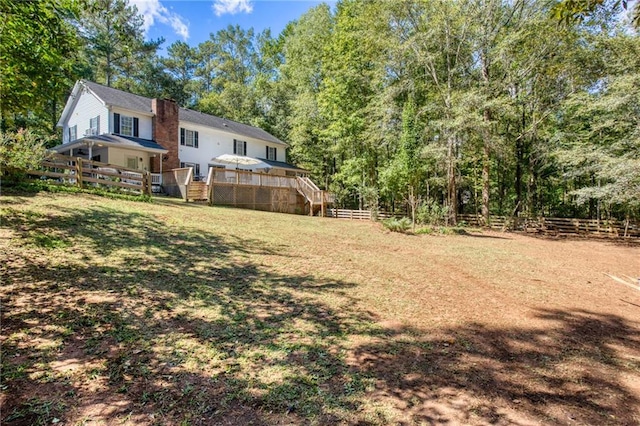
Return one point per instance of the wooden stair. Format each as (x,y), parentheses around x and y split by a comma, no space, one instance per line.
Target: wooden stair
(197,191)
(317,199)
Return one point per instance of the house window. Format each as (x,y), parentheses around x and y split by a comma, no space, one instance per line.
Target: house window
(194,166)
(125,125)
(272,153)
(239,147)
(94,126)
(73,133)
(132,162)
(188,137)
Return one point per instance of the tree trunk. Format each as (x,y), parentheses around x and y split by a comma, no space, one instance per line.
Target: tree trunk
(486,148)
(452,191)
(486,164)
(518,183)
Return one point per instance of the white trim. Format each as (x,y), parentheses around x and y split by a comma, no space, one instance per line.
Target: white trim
(79,143)
(134,112)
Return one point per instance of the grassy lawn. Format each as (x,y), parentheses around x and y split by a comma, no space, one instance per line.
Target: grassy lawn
(121,312)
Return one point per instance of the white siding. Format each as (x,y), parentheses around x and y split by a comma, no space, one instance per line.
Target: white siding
(119,157)
(213,142)
(86,107)
(145,129)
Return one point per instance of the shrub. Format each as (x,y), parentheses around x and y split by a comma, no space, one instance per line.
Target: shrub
(20,151)
(431,213)
(397,225)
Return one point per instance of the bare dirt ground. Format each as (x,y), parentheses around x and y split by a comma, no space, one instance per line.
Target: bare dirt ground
(117,312)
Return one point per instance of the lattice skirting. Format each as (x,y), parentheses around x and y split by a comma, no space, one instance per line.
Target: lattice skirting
(282,200)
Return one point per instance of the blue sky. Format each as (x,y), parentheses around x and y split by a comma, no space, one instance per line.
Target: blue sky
(192,20)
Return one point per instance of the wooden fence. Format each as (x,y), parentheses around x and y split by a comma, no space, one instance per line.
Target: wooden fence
(557,226)
(362,214)
(552,226)
(82,172)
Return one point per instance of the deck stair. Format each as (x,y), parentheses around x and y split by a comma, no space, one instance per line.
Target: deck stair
(197,191)
(317,199)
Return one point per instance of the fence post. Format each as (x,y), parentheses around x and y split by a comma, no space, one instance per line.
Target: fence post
(79,172)
(146,183)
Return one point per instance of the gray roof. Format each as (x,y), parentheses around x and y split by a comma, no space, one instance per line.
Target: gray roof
(226,125)
(120,98)
(111,140)
(126,100)
(282,165)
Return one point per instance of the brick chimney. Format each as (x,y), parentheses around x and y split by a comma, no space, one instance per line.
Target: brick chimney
(165,133)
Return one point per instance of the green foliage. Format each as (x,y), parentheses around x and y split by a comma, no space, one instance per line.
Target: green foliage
(572,11)
(20,151)
(112,31)
(600,138)
(402,225)
(384,103)
(38,48)
(431,213)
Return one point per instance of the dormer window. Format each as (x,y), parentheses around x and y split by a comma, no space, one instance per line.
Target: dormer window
(272,153)
(239,147)
(125,125)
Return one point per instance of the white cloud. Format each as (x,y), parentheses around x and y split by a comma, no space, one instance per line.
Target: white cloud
(153,10)
(220,7)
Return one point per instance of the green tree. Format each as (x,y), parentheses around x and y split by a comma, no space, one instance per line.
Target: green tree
(600,132)
(181,64)
(230,64)
(571,11)
(354,73)
(405,174)
(114,39)
(434,41)
(38,51)
(301,76)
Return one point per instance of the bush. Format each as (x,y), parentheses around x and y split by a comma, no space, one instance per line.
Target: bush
(20,151)
(431,213)
(397,225)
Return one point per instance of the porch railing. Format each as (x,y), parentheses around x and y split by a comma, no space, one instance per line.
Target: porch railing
(156,179)
(80,172)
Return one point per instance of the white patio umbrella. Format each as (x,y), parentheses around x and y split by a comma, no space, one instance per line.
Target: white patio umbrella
(240,160)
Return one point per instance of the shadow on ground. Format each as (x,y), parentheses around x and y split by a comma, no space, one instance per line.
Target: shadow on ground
(129,318)
(571,371)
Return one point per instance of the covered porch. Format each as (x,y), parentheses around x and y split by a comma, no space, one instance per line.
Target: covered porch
(125,151)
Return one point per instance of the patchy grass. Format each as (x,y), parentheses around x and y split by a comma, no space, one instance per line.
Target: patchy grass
(118,312)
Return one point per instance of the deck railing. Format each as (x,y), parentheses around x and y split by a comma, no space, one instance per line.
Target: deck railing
(241,177)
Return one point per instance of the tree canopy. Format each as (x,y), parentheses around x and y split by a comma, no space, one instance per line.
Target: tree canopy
(463,106)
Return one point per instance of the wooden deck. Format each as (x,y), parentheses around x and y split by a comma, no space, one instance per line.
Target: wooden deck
(244,189)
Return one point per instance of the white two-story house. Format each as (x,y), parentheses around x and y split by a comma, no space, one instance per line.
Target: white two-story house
(120,128)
